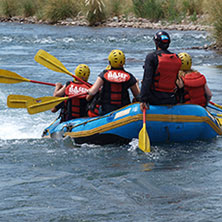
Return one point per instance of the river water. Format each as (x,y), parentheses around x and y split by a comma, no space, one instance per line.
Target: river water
(56,180)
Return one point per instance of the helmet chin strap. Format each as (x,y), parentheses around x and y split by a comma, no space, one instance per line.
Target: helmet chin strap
(157,47)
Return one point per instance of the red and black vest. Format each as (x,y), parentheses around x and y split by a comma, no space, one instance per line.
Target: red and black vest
(94,112)
(166,73)
(75,107)
(115,88)
(194,88)
(94,105)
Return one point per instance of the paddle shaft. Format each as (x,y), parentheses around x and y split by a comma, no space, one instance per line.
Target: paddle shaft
(214,107)
(218,106)
(76,77)
(10,77)
(44,83)
(144,115)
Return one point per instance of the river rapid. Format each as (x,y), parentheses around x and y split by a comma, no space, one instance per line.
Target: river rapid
(57,180)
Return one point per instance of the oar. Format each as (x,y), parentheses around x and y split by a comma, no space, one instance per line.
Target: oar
(17,101)
(217,105)
(12,77)
(218,117)
(216,114)
(144,141)
(49,61)
(214,107)
(46,103)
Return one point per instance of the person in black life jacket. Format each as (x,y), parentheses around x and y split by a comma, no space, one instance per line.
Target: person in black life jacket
(193,88)
(160,74)
(114,84)
(75,107)
(95,102)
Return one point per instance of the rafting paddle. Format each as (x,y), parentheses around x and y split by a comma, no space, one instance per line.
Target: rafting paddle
(9,77)
(50,62)
(214,107)
(217,105)
(46,103)
(144,141)
(17,101)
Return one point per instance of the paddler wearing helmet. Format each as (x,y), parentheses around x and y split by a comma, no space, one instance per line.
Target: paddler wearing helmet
(75,107)
(193,88)
(161,68)
(113,83)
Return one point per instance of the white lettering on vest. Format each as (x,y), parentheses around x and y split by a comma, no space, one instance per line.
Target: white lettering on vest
(117,76)
(77,90)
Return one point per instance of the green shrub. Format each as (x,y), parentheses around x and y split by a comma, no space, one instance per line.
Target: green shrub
(60,9)
(29,8)
(171,11)
(150,9)
(9,8)
(191,7)
(95,11)
(116,7)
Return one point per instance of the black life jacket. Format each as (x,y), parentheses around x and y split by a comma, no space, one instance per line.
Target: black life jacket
(115,91)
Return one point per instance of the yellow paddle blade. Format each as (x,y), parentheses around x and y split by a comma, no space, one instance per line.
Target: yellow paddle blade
(144,141)
(49,61)
(42,104)
(11,77)
(220,120)
(17,101)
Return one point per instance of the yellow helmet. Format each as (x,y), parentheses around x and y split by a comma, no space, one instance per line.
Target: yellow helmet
(186,61)
(116,58)
(82,71)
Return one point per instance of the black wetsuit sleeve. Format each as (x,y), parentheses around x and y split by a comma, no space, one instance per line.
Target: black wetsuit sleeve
(132,80)
(59,106)
(101,75)
(150,67)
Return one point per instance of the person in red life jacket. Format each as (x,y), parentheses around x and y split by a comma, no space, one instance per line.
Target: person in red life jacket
(114,83)
(193,88)
(160,74)
(75,107)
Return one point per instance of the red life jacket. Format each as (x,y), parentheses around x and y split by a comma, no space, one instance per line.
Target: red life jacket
(95,112)
(75,107)
(115,91)
(166,73)
(194,88)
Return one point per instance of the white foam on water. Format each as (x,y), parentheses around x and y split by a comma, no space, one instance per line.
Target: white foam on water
(133,145)
(18,124)
(17,129)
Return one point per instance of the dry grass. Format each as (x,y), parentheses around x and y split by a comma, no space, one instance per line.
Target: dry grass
(213,8)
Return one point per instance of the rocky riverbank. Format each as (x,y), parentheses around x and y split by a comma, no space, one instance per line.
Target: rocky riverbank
(121,21)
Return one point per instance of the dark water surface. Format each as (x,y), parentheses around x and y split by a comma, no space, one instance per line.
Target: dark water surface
(54,180)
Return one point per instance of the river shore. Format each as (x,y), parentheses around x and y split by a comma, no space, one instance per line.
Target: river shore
(120,21)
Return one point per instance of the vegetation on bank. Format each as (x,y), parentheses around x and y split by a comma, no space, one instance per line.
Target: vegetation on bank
(98,11)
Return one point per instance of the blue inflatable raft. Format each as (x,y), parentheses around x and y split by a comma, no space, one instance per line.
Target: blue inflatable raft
(165,124)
